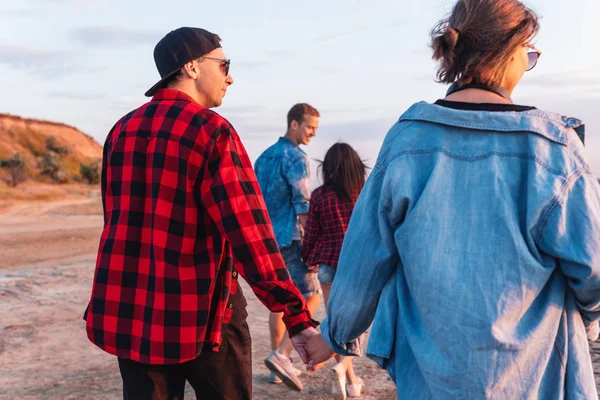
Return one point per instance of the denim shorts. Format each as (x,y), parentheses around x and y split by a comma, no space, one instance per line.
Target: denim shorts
(326,274)
(305,280)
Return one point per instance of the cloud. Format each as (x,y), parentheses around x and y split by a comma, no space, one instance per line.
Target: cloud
(425,50)
(120,104)
(249,64)
(425,78)
(252,122)
(338,35)
(585,83)
(143,86)
(284,54)
(357,110)
(258,131)
(22,13)
(47,64)
(88,4)
(367,130)
(240,110)
(111,36)
(23,57)
(125,103)
(326,70)
(76,96)
(583,80)
(332,37)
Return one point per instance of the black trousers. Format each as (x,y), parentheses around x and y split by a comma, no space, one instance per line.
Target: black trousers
(226,375)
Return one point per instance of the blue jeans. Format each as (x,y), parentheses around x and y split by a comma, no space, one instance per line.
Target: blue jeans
(305,279)
(326,274)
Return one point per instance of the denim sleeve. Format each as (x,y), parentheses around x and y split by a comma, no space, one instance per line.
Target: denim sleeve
(364,268)
(572,235)
(297,175)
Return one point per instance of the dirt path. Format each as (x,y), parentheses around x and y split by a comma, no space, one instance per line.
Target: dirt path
(45,208)
(47,256)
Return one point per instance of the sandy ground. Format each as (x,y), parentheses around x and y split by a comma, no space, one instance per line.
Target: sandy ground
(47,256)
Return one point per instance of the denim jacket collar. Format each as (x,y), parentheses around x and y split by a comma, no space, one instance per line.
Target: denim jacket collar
(549,125)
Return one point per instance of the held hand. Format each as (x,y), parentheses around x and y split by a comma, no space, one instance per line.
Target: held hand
(318,353)
(301,340)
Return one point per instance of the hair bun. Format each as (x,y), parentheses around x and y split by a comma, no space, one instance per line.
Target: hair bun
(451,36)
(476,40)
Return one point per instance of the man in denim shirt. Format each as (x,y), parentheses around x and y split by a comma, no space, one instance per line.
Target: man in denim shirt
(283,175)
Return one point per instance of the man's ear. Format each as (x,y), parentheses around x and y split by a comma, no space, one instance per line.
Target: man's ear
(190,69)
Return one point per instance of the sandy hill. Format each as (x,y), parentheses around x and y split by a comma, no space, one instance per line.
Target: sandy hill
(29,137)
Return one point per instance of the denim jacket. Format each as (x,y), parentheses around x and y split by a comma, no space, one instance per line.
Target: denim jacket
(283,173)
(474,249)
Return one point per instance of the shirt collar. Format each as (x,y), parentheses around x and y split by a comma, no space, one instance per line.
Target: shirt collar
(284,139)
(172,94)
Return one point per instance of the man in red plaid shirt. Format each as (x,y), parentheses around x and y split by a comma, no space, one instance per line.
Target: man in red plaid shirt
(183,215)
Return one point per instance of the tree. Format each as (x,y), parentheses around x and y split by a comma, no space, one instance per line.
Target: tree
(16,166)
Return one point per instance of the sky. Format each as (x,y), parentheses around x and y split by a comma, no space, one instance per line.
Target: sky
(361,63)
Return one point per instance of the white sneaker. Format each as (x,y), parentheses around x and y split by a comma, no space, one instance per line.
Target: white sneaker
(272,378)
(283,368)
(354,389)
(338,382)
(296,370)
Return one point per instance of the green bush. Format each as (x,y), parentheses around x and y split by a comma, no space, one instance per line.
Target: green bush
(51,166)
(52,145)
(52,163)
(17,167)
(92,172)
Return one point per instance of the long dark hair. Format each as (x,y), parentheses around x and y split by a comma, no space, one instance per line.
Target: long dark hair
(343,171)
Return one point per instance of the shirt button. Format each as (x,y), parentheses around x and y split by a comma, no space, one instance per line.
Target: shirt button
(234,274)
(230,305)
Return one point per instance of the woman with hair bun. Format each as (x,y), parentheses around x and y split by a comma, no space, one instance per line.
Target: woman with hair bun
(474,247)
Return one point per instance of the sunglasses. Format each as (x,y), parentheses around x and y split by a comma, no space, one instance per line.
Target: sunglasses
(532,56)
(223,61)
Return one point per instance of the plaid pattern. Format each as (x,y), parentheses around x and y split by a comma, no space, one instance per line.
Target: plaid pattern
(328,218)
(183,214)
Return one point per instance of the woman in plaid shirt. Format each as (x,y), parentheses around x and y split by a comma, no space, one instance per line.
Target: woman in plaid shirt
(331,205)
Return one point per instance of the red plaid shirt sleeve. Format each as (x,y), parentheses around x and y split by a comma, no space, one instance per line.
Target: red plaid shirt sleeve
(232,197)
